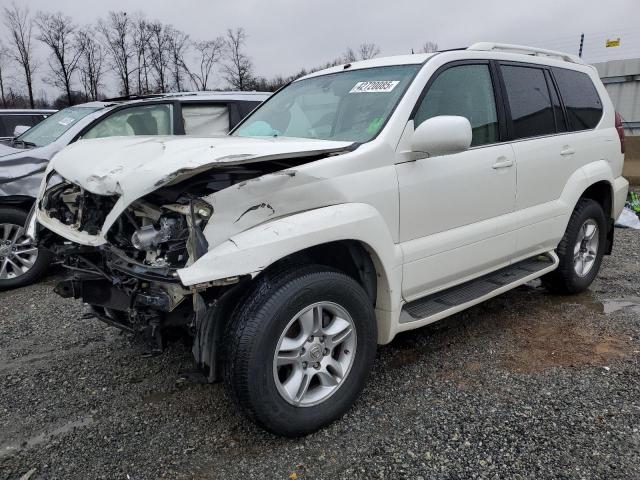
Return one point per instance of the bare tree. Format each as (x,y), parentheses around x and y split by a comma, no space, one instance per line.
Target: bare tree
(91,63)
(238,69)
(159,53)
(57,31)
(178,46)
(209,52)
(3,73)
(116,30)
(368,50)
(348,56)
(141,38)
(20,25)
(429,47)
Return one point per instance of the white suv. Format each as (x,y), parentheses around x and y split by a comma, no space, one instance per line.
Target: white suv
(358,202)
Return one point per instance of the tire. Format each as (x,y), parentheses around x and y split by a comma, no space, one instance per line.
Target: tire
(15,252)
(570,277)
(264,325)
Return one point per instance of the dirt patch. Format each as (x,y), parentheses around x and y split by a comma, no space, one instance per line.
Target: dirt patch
(570,343)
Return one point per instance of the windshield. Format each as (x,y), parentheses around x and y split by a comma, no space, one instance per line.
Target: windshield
(350,105)
(50,129)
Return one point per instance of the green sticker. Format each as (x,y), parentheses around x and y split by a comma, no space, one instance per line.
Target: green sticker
(374,125)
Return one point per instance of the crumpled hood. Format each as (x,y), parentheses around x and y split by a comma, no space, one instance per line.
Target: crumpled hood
(6,149)
(135,166)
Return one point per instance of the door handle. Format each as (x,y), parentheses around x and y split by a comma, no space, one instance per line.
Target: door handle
(503,162)
(566,151)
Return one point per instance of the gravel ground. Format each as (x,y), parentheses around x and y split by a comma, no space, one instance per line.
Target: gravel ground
(528,385)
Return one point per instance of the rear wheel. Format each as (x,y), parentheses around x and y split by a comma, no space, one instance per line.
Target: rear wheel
(581,249)
(21,263)
(299,349)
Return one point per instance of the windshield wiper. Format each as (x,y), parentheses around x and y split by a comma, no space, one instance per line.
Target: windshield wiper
(24,143)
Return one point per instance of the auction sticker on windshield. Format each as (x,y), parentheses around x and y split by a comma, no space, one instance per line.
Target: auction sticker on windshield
(377,86)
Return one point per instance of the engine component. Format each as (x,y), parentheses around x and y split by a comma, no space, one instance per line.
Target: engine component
(149,237)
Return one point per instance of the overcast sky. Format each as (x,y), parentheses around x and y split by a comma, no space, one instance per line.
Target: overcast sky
(285,35)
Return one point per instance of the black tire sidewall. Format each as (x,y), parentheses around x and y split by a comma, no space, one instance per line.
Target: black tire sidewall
(19,216)
(574,282)
(269,408)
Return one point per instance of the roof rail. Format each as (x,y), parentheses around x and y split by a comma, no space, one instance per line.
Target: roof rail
(134,96)
(507,48)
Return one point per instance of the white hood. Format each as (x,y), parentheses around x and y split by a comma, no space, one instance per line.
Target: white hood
(134,166)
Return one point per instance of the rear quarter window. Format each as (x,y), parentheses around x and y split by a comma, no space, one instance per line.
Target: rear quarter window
(580,97)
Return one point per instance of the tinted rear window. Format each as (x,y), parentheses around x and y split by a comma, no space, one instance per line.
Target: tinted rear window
(580,97)
(529,101)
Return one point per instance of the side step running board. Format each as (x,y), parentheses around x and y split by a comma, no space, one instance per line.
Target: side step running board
(455,299)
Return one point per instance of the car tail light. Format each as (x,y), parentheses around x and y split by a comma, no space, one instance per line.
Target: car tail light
(620,130)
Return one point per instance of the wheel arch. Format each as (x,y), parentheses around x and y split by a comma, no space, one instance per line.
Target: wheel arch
(602,193)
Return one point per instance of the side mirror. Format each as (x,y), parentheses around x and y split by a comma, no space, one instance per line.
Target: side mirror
(442,135)
(20,129)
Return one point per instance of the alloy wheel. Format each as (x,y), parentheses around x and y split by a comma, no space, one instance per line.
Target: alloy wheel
(586,248)
(17,252)
(314,354)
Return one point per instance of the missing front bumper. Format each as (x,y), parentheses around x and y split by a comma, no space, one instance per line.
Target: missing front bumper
(102,293)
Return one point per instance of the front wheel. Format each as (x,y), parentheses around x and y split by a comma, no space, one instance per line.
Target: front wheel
(21,263)
(581,249)
(299,349)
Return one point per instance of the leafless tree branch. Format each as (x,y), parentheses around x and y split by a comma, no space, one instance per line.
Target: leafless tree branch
(179,44)
(57,31)
(368,50)
(238,69)
(20,25)
(429,47)
(116,31)
(209,52)
(91,64)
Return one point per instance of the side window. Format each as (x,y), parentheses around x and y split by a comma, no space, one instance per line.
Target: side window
(138,120)
(580,97)
(205,119)
(466,91)
(529,101)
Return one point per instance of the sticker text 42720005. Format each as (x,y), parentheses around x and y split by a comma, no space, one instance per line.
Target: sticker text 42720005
(376,86)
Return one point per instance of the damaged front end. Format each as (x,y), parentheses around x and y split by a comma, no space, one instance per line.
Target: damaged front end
(130,280)
(129,226)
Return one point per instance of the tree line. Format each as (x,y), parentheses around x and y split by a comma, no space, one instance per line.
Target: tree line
(146,56)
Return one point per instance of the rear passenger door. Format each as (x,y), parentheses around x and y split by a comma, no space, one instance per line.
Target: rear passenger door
(547,153)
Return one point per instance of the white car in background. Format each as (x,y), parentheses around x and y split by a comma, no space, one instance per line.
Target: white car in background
(24,159)
(356,203)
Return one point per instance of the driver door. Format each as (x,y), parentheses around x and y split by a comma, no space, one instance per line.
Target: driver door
(455,221)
